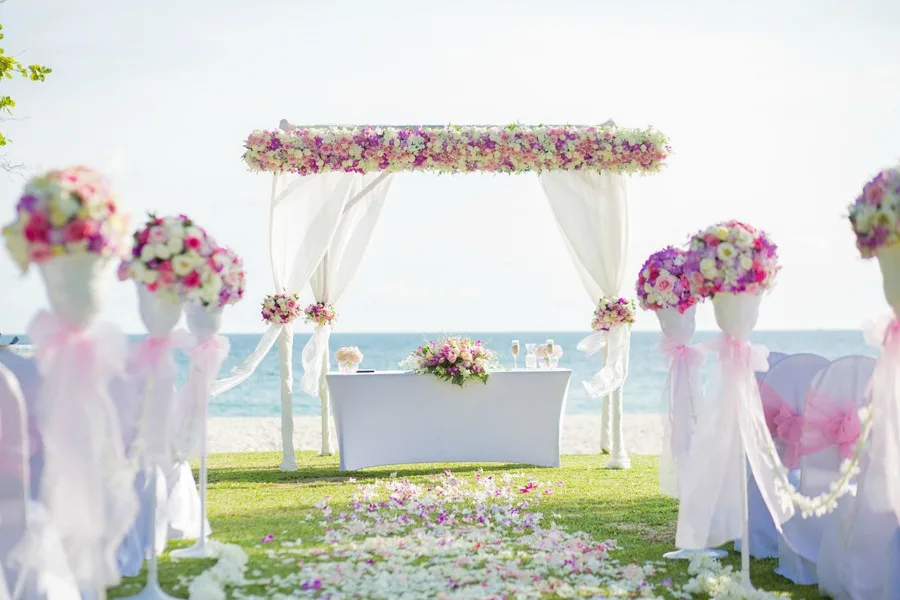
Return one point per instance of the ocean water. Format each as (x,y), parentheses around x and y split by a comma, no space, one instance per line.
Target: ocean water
(259,396)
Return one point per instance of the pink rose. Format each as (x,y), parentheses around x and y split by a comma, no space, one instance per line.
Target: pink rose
(192,279)
(192,242)
(37,228)
(152,287)
(663,284)
(167,277)
(874,193)
(697,278)
(157,235)
(80,229)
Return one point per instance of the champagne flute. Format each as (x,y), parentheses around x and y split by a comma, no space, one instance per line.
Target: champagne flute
(515,353)
(550,351)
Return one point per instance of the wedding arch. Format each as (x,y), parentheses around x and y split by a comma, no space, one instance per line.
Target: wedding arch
(330,183)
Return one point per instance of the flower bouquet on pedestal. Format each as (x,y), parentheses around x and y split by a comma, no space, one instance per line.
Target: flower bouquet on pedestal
(454,359)
(70,224)
(172,264)
(875,219)
(733,264)
(663,288)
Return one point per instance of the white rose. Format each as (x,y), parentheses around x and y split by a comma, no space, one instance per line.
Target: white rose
(175,245)
(148,253)
(162,251)
(182,265)
(68,205)
(746,261)
(708,267)
(744,239)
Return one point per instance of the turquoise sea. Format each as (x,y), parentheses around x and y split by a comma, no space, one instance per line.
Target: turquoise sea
(259,395)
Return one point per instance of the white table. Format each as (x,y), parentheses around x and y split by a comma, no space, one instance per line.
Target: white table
(391,417)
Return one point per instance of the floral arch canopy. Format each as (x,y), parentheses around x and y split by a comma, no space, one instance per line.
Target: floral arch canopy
(312,150)
(320,226)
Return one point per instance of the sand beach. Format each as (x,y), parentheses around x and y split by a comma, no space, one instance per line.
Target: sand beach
(581,434)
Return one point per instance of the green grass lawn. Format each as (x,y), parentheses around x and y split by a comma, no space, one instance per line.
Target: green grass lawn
(249,498)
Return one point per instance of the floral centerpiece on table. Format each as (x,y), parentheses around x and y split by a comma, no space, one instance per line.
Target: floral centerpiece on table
(663,282)
(169,258)
(281,309)
(542,352)
(613,312)
(731,257)
(228,267)
(454,359)
(65,212)
(320,313)
(875,216)
(348,358)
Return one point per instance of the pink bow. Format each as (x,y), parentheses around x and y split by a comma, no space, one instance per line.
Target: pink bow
(740,352)
(211,345)
(151,351)
(98,347)
(831,423)
(784,425)
(682,352)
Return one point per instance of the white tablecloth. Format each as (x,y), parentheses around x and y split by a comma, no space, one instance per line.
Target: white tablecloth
(390,418)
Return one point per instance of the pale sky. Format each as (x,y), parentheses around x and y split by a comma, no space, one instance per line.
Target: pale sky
(778,112)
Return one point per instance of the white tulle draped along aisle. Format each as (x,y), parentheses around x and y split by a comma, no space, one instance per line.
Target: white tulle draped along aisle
(591,210)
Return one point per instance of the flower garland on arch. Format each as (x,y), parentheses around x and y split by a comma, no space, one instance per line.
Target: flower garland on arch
(456,149)
(613,312)
(320,313)
(281,309)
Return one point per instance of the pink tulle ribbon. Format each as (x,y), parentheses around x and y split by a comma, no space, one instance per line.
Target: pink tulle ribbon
(830,423)
(190,415)
(886,401)
(729,432)
(87,481)
(784,424)
(681,396)
(152,361)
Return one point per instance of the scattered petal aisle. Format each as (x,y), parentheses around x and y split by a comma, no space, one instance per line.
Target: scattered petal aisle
(452,537)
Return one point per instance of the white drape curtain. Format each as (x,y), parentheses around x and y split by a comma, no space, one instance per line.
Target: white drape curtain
(592,213)
(304,216)
(337,267)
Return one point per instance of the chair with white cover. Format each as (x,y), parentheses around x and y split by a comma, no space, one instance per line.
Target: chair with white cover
(859,557)
(782,389)
(22,522)
(830,431)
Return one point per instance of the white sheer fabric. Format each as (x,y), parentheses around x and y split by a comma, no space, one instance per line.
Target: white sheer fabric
(337,268)
(24,526)
(592,213)
(713,497)
(682,395)
(852,562)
